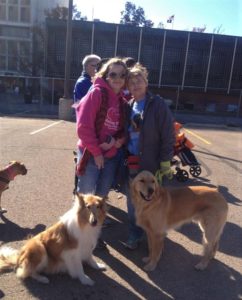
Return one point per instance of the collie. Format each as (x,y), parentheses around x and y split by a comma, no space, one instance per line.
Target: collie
(64,246)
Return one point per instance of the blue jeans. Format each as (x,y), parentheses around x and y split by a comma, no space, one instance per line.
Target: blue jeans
(135,232)
(95,181)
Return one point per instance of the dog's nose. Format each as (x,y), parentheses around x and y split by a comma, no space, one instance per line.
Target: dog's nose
(150,191)
(94,222)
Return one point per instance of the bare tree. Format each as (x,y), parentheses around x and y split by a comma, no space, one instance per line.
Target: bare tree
(161,25)
(218,29)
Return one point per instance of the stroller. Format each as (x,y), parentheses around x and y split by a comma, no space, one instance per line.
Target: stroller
(182,150)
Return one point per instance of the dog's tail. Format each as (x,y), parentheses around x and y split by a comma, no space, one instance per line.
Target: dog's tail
(8,258)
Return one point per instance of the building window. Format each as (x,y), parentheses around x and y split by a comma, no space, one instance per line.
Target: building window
(3,47)
(25,2)
(3,54)
(25,14)
(3,14)
(13,13)
(12,55)
(2,62)
(24,48)
(12,64)
(15,32)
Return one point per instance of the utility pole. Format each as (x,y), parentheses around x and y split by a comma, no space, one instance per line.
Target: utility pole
(68,51)
(65,109)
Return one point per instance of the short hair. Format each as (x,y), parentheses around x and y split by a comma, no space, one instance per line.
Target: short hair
(101,63)
(88,58)
(138,70)
(105,67)
(129,61)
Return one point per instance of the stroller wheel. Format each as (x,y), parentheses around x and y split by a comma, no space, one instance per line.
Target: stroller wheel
(195,171)
(182,175)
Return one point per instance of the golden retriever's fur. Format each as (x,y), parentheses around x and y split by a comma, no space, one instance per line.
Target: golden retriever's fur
(7,174)
(62,247)
(158,209)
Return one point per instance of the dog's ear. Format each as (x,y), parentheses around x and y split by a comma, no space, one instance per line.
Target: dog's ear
(105,198)
(132,183)
(103,204)
(80,198)
(158,188)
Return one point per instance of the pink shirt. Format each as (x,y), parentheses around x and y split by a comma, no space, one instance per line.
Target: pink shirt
(86,115)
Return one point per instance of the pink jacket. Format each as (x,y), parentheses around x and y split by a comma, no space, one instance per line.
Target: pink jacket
(86,112)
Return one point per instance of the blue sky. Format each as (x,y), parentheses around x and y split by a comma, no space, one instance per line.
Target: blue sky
(226,14)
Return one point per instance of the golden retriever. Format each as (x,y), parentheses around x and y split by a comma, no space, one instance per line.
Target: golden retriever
(64,246)
(8,174)
(158,209)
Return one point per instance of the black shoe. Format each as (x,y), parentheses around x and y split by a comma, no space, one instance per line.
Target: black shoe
(107,223)
(101,244)
(132,243)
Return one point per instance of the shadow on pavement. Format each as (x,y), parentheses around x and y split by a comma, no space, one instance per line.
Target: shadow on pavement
(10,231)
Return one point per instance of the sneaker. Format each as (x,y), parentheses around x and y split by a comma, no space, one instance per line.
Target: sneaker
(101,244)
(132,243)
(107,222)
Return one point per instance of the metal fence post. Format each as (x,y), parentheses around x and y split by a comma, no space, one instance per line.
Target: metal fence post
(185,62)
(116,41)
(239,104)
(52,90)
(162,58)
(92,40)
(209,62)
(232,65)
(177,98)
(65,110)
(140,43)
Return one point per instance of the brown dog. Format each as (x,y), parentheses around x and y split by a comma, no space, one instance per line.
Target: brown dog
(7,174)
(158,209)
(64,246)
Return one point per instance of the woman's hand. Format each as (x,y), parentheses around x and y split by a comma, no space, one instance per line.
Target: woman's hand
(119,142)
(106,146)
(99,161)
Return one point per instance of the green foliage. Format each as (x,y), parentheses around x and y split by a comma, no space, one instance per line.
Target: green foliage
(61,13)
(57,13)
(134,16)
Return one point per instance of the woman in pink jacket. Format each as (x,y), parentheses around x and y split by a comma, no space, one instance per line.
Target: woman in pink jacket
(100,128)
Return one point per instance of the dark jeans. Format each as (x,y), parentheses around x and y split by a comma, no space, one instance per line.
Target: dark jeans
(135,232)
(97,181)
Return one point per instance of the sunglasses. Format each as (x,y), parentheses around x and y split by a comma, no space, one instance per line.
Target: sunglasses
(114,75)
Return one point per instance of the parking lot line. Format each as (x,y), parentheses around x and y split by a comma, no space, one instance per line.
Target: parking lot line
(198,137)
(46,127)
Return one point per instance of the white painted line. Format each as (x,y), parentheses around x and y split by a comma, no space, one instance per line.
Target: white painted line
(46,127)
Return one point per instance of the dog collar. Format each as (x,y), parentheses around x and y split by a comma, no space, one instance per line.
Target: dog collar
(10,173)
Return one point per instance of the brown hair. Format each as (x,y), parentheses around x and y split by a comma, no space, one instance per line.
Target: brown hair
(138,70)
(106,66)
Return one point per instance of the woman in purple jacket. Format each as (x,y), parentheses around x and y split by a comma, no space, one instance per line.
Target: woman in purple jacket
(100,128)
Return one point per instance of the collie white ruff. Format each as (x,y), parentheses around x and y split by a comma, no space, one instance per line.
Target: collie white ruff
(64,246)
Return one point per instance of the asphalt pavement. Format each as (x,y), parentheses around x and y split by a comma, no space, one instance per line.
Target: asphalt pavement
(37,200)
